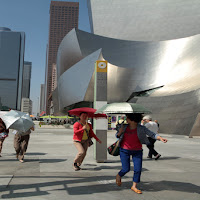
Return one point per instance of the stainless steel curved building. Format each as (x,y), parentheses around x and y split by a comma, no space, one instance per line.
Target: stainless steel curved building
(143,55)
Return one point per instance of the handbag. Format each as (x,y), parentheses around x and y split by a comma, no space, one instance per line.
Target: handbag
(89,138)
(90,142)
(114,149)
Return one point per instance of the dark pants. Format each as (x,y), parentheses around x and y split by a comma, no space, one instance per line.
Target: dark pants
(137,162)
(21,144)
(152,151)
(1,143)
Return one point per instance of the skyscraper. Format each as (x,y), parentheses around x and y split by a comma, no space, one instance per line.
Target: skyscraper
(54,77)
(26,79)
(42,99)
(11,65)
(26,105)
(63,18)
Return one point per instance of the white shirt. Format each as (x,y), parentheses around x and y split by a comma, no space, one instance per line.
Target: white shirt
(152,126)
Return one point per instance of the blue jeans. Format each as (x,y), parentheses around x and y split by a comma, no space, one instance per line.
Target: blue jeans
(137,162)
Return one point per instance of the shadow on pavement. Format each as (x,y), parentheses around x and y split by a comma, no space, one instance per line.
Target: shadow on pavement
(46,160)
(35,153)
(162,158)
(113,161)
(112,168)
(37,160)
(90,185)
(170,186)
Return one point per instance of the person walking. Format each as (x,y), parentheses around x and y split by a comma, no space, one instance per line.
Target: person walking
(3,134)
(82,136)
(21,141)
(152,126)
(131,137)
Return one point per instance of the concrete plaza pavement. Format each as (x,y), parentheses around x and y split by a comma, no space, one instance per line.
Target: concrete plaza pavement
(48,174)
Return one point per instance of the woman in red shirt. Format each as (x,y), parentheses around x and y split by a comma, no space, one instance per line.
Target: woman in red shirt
(82,133)
(132,136)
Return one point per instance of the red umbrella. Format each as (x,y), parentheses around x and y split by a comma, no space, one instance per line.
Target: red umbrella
(89,111)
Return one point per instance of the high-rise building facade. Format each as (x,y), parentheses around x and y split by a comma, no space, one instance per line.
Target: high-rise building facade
(54,77)
(26,79)
(63,18)
(11,65)
(42,98)
(26,105)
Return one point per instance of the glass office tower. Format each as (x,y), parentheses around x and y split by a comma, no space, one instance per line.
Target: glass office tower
(26,79)
(11,66)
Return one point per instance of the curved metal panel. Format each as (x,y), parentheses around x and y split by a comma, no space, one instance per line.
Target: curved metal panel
(73,84)
(176,113)
(143,65)
(69,53)
(134,67)
(148,20)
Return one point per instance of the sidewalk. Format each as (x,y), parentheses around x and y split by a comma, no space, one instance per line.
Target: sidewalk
(48,174)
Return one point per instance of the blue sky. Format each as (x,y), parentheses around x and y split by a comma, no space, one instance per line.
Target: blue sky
(32,17)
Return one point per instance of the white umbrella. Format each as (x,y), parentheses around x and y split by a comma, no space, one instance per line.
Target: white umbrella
(17,120)
(123,108)
(3,113)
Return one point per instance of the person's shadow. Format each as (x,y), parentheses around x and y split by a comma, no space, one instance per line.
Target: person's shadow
(170,186)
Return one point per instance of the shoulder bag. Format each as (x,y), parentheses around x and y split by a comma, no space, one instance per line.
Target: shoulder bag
(114,149)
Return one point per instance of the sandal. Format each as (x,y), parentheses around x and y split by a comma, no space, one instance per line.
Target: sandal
(76,167)
(118,180)
(136,190)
